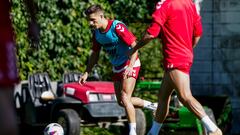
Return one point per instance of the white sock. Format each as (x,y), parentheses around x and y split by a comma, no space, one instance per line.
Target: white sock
(155,128)
(132,128)
(149,105)
(208,124)
(146,103)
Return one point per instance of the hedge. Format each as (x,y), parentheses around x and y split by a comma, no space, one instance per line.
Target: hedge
(65,37)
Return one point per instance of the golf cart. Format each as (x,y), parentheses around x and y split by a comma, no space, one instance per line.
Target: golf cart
(37,105)
(93,104)
(99,104)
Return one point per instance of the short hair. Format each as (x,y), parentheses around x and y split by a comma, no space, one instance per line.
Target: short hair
(93,9)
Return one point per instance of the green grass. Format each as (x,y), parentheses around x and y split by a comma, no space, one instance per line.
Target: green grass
(95,131)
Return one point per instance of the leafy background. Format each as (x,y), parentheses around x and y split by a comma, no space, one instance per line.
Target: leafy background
(65,39)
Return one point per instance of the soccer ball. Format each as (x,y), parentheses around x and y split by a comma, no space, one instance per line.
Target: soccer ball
(53,129)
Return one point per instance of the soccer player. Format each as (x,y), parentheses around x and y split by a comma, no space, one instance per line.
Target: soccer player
(114,37)
(178,24)
(8,67)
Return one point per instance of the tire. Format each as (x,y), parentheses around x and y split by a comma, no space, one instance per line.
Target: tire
(141,122)
(69,120)
(210,114)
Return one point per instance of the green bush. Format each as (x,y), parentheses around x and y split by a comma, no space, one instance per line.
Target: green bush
(66,38)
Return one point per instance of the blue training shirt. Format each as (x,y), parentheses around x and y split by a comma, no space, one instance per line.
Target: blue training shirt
(113,45)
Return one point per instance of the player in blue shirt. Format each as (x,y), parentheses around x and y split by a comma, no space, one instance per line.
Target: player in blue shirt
(115,39)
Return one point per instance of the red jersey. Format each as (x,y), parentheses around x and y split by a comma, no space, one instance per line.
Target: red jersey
(176,22)
(8,68)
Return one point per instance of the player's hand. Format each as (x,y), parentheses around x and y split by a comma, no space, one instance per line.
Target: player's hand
(128,72)
(83,78)
(130,52)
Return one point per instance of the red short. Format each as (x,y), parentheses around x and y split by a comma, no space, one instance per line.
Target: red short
(182,67)
(119,71)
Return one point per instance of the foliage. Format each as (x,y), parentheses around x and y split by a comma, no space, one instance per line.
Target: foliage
(133,11)
(150,54)
(136,14)
(95,131)
(66,38)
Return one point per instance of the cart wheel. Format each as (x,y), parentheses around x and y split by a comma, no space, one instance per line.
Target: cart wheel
(140,121)
(69,120)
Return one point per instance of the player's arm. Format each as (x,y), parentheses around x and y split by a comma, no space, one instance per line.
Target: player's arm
(93,59)
(128,38)
(145,39)
(152,32)
(94,56)
(197,34)
(159,17)
(197,29)
(134,56)
(195,41)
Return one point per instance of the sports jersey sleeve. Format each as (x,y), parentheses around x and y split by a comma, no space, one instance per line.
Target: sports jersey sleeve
(197,26)
(95,45)
(159,17)
(154,29)
(124,34)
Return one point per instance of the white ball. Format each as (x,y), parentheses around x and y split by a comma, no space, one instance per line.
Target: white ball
(53,129)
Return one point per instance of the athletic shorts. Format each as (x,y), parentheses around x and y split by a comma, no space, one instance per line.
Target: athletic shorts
(119,70)
(182,67)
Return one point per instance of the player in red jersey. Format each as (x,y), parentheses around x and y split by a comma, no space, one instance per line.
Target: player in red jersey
(8,67)
(178,24)
(116,40)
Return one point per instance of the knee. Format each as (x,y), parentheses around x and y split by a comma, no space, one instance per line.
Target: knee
(124,99)
(119,101)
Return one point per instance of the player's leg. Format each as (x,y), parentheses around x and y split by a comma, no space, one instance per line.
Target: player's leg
(127,90)
(142,103)
(181,81)
(123,92)
(136,101)
(182,86)
(8,125)
(164,97)
(118,92)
